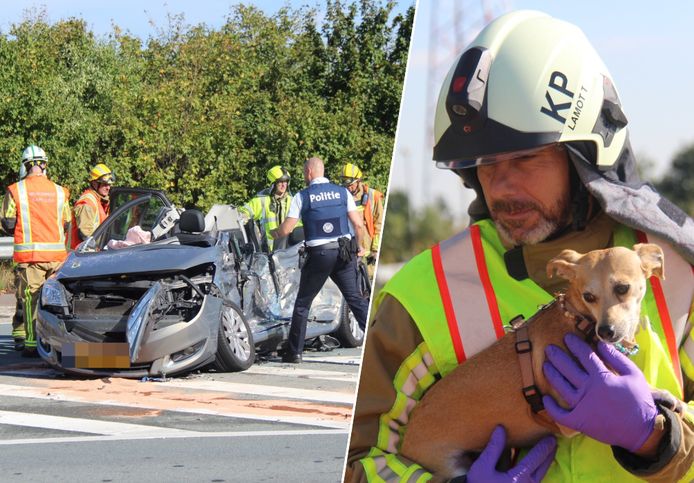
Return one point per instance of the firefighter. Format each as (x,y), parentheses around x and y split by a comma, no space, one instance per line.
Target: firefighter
(93,206)
(36,211)
(370,203)
(529,117)
(326,210)
(270,206)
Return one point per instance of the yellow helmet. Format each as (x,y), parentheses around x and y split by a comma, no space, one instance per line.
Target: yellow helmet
(278,173)
(102,174)
(350,174)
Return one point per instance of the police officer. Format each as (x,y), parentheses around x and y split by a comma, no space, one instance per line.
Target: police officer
(325,210)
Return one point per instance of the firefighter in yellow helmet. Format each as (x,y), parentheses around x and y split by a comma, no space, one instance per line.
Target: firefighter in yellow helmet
(93,206)
(269,206)
(37,212)
(370,204)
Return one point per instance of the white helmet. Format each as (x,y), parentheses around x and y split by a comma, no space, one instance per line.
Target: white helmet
(527,80)
(33,153)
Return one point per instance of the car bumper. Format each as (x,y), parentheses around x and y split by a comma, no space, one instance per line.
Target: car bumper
(161,352)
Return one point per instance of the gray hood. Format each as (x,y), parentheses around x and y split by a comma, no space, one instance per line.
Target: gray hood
(140,259)
(636,204)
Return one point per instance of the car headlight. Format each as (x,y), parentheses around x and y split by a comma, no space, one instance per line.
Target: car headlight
(54,297)
(138,320)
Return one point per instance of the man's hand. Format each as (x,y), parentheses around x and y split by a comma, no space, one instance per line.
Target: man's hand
(361,252)
(531,468)
(616,409)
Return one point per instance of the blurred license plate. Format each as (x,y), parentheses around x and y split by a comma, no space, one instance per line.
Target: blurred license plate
(91,355)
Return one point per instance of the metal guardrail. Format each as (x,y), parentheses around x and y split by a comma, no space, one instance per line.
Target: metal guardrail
(6,247)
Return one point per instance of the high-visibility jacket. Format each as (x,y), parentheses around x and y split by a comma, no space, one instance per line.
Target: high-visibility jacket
(366,204)
(463,281)
(260,209)
(39,234)
(90,198)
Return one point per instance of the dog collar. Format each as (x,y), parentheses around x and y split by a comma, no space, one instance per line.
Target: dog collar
(585,325)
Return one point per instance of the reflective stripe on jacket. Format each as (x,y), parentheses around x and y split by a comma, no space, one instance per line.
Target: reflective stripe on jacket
(367,205)
(89,197)
(39,234)
(463,281)
(259,209)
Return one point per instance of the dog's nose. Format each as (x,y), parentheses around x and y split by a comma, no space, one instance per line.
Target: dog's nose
(606,332)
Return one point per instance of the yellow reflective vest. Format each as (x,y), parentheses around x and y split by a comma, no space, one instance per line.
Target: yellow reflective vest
(463,283)
(259,208)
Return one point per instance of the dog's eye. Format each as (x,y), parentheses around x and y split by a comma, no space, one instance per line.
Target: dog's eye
(621,289)
(589,297)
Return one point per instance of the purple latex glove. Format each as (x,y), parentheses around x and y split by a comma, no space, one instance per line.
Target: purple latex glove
(531,468)
(617,409)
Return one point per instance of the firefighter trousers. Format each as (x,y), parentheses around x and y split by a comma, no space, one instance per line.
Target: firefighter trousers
(30,278)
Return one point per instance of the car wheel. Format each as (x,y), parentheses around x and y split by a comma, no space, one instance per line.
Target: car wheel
(235,348)
(348,332)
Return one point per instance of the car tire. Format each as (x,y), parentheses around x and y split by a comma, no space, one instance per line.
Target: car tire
(235,348)
(348,332)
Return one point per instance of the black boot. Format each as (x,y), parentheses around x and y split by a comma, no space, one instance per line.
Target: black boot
(291,358)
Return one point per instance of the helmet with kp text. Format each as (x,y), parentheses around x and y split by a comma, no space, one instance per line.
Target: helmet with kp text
(528,80)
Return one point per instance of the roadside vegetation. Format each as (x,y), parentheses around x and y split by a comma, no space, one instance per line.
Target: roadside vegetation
(6,276)
(200,112)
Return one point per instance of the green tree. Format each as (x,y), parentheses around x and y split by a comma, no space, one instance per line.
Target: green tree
(408,232)
(202,113)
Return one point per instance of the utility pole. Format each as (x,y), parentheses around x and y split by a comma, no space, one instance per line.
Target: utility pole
(452,25)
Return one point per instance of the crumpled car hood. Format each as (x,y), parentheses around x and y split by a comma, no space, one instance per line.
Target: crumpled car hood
(163,258)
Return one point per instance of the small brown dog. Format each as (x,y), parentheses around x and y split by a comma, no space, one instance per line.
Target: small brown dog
(457,415)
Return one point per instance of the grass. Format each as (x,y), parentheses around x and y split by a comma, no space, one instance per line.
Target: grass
(6,276)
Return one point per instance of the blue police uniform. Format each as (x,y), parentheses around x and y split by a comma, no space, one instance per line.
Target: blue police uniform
(323,208)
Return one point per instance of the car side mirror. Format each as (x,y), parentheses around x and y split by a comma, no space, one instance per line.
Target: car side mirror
(88,245)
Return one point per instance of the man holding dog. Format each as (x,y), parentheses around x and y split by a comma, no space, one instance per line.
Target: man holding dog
(552,169)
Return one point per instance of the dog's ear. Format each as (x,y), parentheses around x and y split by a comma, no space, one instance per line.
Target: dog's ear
(652,259)
(564,264)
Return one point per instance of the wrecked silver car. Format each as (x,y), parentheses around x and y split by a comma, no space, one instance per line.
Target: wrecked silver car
(160,291)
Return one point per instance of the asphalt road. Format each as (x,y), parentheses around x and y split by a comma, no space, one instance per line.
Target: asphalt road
(274,422)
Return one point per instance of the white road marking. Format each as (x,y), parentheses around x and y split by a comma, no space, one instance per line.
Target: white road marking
(262,390)
(38,372)
(106,428)
(40,393)
(350,360)
(189,434)
(266,370)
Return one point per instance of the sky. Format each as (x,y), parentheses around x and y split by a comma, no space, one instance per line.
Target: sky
(137,16)
(645,45)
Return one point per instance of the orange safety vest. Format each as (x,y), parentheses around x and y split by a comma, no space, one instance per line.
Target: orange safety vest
(39,235)
(372,198)
(89,197)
